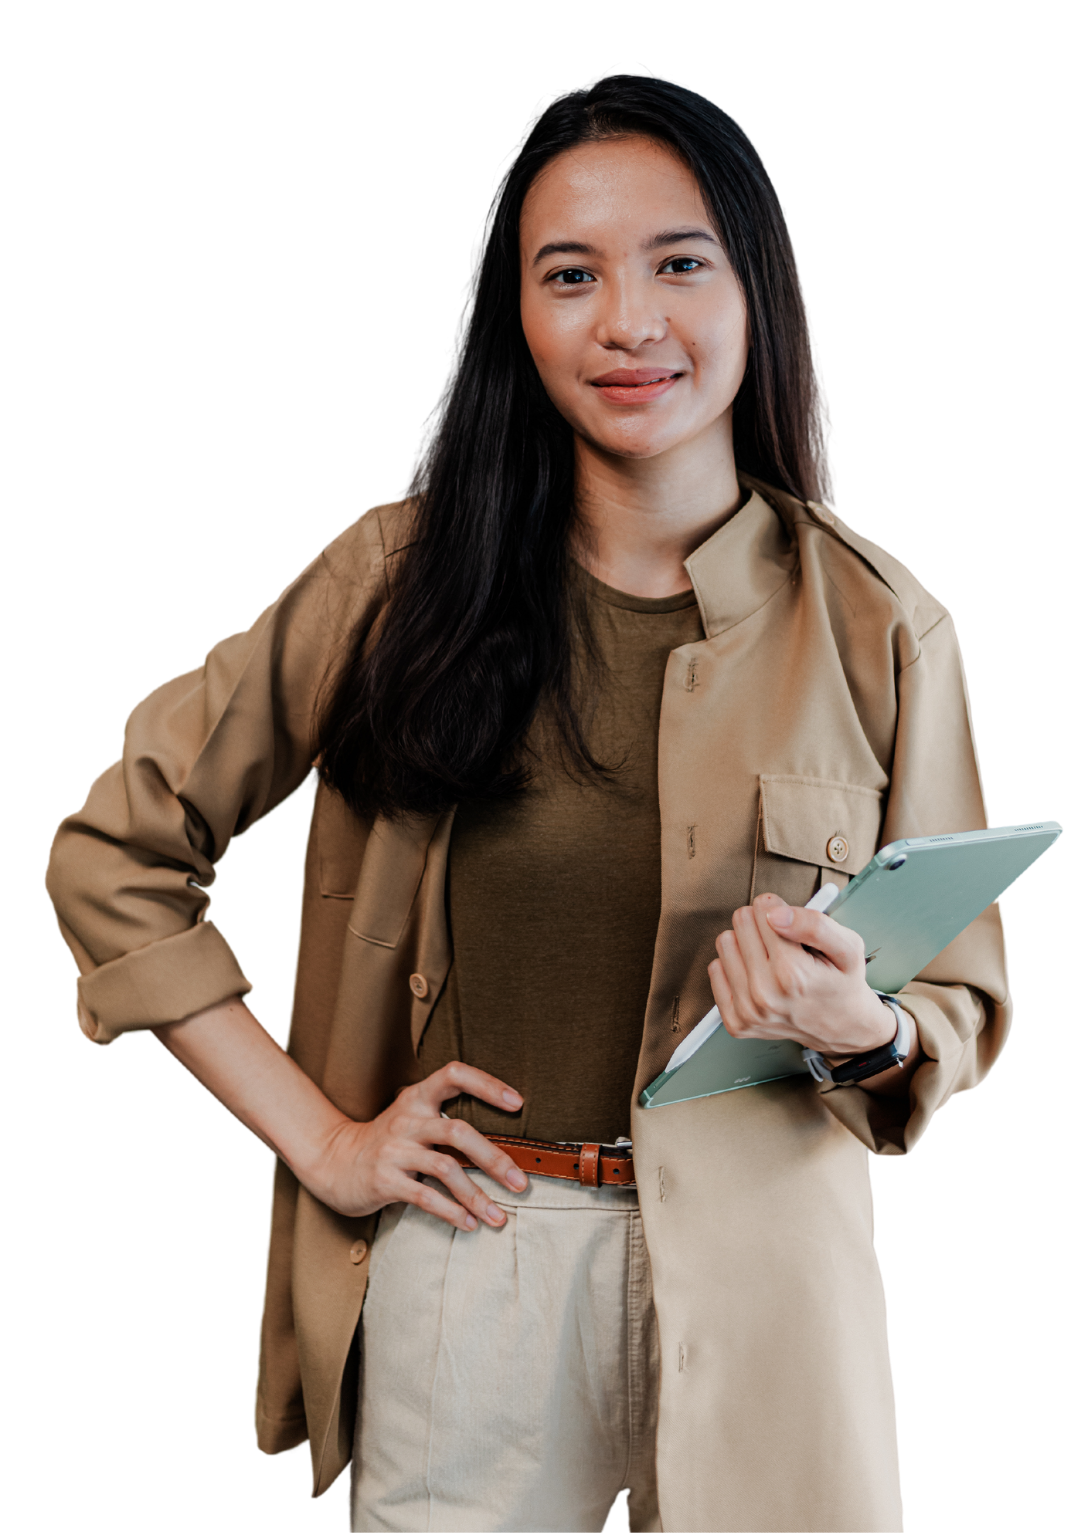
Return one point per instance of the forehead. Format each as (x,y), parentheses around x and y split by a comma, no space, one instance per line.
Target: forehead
(624,187)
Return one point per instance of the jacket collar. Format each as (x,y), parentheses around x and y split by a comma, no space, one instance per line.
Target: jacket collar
(740,566)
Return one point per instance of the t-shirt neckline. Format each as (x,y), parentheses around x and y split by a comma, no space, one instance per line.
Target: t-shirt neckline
(625,599)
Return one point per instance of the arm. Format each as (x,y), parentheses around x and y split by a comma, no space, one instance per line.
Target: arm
(204,757)
(355,1169)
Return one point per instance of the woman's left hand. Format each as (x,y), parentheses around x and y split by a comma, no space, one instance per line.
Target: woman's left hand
(787,973)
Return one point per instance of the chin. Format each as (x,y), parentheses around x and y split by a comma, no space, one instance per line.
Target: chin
(646,434)
(634,447)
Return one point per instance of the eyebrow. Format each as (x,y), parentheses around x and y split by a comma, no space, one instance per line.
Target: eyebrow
(665,237)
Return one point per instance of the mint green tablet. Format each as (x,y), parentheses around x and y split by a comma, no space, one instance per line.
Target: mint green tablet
(907,904)
(916,895)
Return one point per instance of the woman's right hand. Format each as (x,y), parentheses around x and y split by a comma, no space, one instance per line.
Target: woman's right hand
(363,1167)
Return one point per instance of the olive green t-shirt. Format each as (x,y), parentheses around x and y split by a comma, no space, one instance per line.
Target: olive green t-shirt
(554,898)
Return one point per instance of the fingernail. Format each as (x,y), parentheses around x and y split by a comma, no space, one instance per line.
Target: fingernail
(783,916)
(512,1099)
(470,1222)
(517,1179)
(495,1214)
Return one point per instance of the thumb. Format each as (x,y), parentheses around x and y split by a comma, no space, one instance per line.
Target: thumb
(813,929)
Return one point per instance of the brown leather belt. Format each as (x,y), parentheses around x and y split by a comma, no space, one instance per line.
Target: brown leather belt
(591,1165)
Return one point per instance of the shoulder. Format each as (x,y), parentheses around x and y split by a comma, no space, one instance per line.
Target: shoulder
(360,553)
(343,589)
(839,547)
(864,574)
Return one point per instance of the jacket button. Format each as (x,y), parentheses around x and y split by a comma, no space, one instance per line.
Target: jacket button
(359,1250)
(837,849)
(822,513)
(419,985)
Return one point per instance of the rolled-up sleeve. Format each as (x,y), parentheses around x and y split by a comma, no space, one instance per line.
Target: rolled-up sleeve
(960,1002)
(204,757)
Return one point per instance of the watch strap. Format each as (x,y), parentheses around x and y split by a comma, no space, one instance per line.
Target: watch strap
(862,1067)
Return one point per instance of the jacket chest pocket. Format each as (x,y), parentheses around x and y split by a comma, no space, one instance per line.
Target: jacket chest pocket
(377,869)
(812,831)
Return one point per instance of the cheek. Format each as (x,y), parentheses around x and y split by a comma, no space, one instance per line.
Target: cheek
(536,329)
(720,348)
(553,336)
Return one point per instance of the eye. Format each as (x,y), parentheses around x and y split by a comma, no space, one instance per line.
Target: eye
(573,276)
(679,266)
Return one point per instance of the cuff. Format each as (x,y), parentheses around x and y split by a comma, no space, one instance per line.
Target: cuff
(161,983)
(956,1053)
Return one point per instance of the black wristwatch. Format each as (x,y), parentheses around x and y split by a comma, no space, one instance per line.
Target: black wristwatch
(864,1066)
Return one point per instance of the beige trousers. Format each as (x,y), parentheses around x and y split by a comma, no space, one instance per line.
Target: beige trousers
(508,1377)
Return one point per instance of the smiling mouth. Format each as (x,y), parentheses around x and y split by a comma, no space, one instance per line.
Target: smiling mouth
(635,382)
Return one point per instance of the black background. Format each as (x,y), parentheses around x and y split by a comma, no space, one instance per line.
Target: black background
(255,253)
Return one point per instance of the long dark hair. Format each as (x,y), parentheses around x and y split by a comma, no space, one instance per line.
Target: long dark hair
(436,707)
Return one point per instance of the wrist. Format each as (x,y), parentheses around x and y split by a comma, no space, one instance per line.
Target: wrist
(878,1060)
(884,1027)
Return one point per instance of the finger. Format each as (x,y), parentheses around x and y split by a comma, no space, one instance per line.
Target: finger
(770,935)
(456,1077)
(441,1166)
(409,1190)
(744,977)
(736,1007)
(722,993)
(813,929)
(484,1154)
(755,951)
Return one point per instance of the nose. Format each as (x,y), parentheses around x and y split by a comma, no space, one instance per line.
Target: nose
(630,315)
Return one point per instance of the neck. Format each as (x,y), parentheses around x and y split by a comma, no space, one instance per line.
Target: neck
(638,519)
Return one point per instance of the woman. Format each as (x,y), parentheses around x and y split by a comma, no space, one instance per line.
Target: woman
(611,686)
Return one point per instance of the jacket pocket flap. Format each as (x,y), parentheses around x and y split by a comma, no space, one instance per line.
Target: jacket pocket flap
(392,869)
(834,825)
(341,844)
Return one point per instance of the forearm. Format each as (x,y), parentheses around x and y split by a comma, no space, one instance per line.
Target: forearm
(229,1052)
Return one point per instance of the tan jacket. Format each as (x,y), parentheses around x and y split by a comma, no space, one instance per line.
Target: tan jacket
(827,698)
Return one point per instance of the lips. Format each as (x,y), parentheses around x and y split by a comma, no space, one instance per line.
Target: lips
(632,386)
(626,377)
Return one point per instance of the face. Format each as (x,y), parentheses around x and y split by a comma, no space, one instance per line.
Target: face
(630,307)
